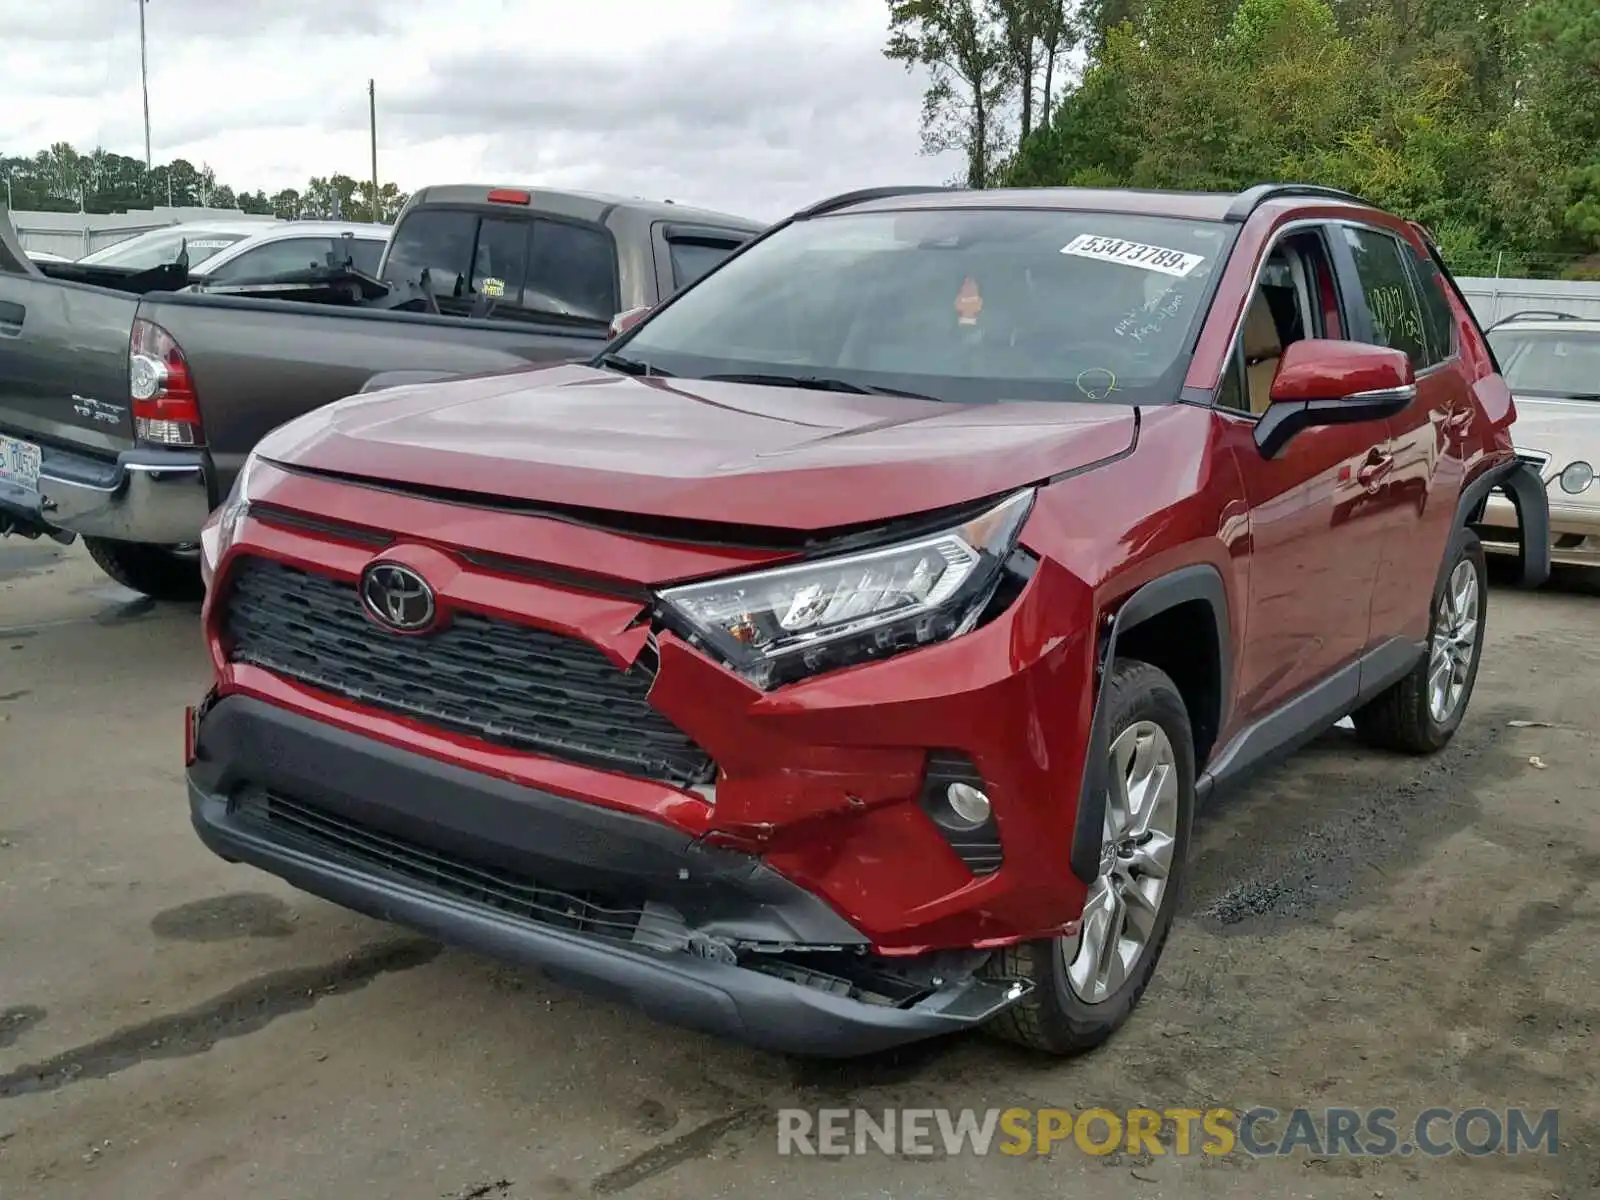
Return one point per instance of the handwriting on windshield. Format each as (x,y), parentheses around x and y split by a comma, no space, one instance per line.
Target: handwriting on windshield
(1147,319)
(1096,383)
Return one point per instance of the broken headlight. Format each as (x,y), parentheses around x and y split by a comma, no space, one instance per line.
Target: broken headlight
(784,624)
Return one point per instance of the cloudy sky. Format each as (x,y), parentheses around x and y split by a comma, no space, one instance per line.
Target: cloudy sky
(751,106)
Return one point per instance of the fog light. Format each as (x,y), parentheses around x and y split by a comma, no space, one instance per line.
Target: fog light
(1577,478)
(969,805)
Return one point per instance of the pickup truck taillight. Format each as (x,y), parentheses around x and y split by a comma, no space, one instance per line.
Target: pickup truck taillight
(165,410)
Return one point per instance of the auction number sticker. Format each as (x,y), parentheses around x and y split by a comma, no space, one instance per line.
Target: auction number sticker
(1133,254)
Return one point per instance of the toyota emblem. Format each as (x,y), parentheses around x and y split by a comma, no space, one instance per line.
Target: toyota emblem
(398,597)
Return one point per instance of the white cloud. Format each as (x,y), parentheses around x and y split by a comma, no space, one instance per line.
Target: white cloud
(752,106)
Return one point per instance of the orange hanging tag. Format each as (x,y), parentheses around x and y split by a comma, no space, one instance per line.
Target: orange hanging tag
(969,303)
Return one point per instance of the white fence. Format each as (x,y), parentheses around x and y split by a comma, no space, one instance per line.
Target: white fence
(72,235)
(1493,299)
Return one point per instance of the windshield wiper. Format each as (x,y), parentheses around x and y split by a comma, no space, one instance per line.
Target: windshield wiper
(629,366)
(820,383)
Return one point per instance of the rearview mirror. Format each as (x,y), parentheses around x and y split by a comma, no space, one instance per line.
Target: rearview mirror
(627,319)
(1325,382)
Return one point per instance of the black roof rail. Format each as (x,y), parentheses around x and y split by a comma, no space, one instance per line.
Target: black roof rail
(862,195)
(1536,314)
(1253,198)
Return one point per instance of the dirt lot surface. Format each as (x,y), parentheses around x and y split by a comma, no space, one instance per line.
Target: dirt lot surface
(1360,930)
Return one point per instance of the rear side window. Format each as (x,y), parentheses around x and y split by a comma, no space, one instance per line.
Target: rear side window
(1438,319)
(692,259)
(1391,299)
(276,258)
(298,254)
(529,267)
(367,253)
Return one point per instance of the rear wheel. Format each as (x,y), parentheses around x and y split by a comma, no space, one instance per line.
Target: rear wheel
(160,572)
(1422,712)
(1084,987)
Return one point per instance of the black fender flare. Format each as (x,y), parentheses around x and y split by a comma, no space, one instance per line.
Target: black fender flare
(1198,582)
(392,379)
(1522,484)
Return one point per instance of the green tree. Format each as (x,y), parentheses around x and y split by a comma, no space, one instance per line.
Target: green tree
(1477,117)
(61,179)
(971,77)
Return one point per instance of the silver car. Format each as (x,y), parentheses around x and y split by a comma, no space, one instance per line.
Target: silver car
(1551,361)
(226,251)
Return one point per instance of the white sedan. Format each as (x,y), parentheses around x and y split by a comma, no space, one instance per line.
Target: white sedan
(226,251)
(1551,361)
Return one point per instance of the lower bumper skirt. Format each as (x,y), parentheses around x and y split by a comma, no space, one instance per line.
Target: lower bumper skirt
(245,746)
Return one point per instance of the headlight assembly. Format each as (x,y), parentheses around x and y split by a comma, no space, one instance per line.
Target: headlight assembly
(1577,478)
(776,626)
(223,526)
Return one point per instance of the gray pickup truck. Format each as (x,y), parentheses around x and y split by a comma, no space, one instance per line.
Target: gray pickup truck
(127,407)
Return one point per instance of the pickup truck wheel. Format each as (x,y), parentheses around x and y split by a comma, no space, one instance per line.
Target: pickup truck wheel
(1422,712)
(160,572)
(1084,987)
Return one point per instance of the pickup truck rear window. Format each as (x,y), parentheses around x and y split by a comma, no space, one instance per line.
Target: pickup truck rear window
(531,268)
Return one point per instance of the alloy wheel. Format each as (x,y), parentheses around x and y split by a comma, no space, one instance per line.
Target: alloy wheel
(1455,638)
(1141,826)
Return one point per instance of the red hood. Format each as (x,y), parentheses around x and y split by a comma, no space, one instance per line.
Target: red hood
(695,450)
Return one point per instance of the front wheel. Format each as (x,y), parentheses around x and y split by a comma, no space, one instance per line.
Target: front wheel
(159,572)
(1085,987)
(1422,712)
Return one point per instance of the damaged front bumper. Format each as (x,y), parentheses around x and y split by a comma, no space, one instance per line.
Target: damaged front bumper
(605,901)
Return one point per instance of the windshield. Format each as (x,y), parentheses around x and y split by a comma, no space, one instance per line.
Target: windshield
(1560,363)
(969,305)
(160,247)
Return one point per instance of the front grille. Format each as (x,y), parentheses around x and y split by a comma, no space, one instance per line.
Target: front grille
(509,684)
(333,838)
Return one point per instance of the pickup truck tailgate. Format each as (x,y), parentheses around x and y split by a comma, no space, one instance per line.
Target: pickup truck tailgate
(64,365)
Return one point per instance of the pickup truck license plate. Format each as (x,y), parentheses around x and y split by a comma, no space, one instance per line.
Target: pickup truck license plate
(19,462)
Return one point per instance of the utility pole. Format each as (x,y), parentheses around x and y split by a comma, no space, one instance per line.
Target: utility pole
(144,81)
(372,124)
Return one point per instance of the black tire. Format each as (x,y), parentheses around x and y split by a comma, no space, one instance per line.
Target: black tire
(1400,719)
(1052,1018)
(158,572)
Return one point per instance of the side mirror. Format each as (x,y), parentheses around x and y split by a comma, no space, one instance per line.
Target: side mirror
(627,319)
(1326,382)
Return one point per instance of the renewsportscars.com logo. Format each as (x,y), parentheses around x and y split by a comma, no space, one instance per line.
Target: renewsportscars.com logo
(1212,1132)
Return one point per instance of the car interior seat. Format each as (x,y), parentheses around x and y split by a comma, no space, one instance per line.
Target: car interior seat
(1263,350)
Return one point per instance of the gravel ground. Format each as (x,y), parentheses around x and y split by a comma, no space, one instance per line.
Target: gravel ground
(1360,930)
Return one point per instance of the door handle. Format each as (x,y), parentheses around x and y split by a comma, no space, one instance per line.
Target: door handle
(1374,469)
(12,316)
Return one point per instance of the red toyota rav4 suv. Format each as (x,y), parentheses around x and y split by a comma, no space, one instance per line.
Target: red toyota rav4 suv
(838,658)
